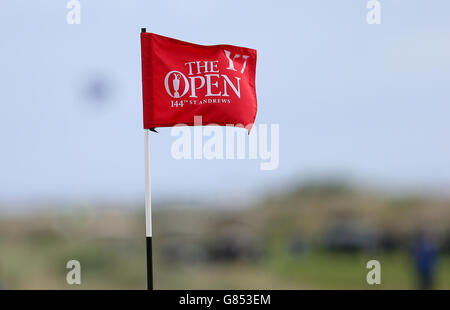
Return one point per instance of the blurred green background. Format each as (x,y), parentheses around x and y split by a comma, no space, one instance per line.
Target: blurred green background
(317,236)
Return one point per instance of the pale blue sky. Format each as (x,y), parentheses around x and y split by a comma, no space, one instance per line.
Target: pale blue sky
(370,101)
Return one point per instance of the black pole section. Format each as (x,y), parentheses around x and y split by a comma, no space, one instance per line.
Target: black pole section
(149,264)
(149,241)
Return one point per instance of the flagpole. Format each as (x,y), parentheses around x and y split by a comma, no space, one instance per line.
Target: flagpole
(148,207)
(148,211)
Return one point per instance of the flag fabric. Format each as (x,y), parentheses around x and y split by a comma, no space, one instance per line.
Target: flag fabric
(181,80)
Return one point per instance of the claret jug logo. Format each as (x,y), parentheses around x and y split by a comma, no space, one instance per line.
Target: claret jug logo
(203,79)
(175,77)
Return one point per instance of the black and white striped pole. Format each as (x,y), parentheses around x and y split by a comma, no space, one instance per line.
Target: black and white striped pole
(148,212)
(148,206)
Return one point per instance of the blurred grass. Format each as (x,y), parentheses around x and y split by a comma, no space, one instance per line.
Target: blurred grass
(105,264)
(113,264)
(110,244)
(322,270)
(318,270)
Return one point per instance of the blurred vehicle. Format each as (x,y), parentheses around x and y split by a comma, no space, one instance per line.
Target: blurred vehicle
(349,236)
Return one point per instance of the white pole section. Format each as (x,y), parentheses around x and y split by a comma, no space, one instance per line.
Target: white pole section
(148,192)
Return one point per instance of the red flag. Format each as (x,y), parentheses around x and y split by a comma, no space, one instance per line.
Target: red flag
(181,80)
